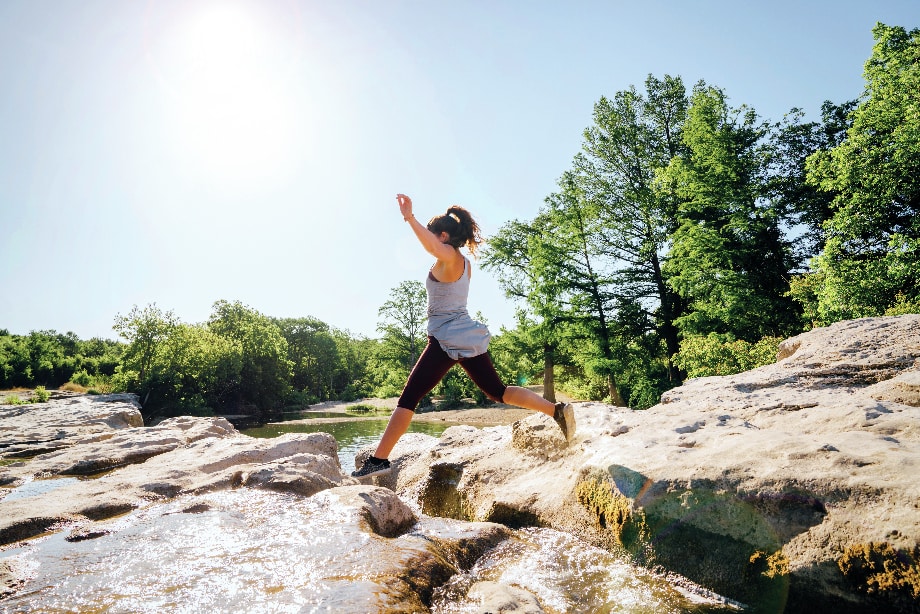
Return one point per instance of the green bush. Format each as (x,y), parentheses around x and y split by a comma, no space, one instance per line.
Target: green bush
(81,378)
(713,354)
(364,408)
(40,395)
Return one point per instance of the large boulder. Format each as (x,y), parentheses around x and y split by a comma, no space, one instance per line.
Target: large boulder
(789,486)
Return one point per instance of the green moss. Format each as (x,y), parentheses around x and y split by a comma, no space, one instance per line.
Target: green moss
(771,566)
(878,569)
(440,495)
(612,510)
(609,508)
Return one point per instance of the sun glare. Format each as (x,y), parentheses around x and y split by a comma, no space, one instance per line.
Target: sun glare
(233,116)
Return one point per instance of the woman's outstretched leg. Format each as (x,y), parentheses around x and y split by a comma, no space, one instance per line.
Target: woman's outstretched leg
(528,399)
(482,372)
(396,428)
(432,365)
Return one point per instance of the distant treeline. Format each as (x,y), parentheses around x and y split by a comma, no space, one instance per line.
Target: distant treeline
(47,358)
(688,238)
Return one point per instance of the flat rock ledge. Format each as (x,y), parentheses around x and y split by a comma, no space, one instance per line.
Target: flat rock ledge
(792,487)
(87,468)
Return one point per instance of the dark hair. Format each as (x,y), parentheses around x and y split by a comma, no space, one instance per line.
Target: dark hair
(459,224)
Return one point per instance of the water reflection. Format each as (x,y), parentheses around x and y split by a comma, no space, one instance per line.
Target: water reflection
(34,487)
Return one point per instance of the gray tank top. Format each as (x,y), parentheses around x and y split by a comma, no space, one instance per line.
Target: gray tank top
(459,335)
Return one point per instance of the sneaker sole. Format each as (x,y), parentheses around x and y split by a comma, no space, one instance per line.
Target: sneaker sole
(568,413)
(375,473)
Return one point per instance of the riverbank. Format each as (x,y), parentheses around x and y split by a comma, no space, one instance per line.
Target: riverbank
(476,416)
(495,414)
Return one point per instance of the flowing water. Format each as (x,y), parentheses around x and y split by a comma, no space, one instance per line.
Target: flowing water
(248,550)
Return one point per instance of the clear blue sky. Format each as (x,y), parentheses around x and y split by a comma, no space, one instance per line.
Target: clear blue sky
(185,151)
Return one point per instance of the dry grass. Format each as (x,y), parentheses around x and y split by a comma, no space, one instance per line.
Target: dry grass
(71,387)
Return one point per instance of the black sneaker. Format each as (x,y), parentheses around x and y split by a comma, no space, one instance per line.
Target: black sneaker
(372,466)
(565,418)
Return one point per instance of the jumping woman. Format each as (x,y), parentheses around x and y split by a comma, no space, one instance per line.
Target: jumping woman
(453,336)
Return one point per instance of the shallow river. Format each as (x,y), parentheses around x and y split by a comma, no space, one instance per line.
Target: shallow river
(249,550)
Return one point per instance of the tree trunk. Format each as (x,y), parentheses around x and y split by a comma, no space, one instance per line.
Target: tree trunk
(615,398)
(549,378)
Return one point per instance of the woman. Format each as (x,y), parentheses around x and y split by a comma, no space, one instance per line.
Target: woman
(453,336)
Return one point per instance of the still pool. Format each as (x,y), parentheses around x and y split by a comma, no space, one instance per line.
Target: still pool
(352,434)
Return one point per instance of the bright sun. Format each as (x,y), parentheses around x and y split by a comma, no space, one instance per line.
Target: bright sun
(234,118)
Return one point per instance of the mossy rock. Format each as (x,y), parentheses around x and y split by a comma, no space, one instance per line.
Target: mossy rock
(888,575)
(754,572)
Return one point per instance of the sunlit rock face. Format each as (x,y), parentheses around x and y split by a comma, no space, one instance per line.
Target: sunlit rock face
(254,550)
(41,427)
(760,486)
(190,515)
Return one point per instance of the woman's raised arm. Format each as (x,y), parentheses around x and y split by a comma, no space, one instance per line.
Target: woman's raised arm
(430,241)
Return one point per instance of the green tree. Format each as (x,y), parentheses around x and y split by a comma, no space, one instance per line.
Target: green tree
(871,259)
(509,254)
(265,371)
(402,323)
(145,331)
(196,372)
(632,139)
(729,258)
(571,267)
(314,355)
(351,379)
(804,207)
(714,354)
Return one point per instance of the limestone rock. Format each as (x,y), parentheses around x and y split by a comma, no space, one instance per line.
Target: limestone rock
(28,430)
(495,598)
(206,454)
(753,485)
(538,435)
(94,454)
(255,549)
(379,508)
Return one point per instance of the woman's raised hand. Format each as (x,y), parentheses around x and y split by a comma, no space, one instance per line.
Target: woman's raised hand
(405,206)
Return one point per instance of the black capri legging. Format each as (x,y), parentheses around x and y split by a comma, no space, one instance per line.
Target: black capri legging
(433,365)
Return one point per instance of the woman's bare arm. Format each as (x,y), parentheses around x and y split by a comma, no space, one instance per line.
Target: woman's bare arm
(442,251)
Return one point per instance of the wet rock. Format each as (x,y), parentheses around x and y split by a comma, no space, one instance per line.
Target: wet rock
(10,580)
(303,474)
(380,509)
(494,598)
(753,485)
(264,549)
(208,455)
(84,534)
